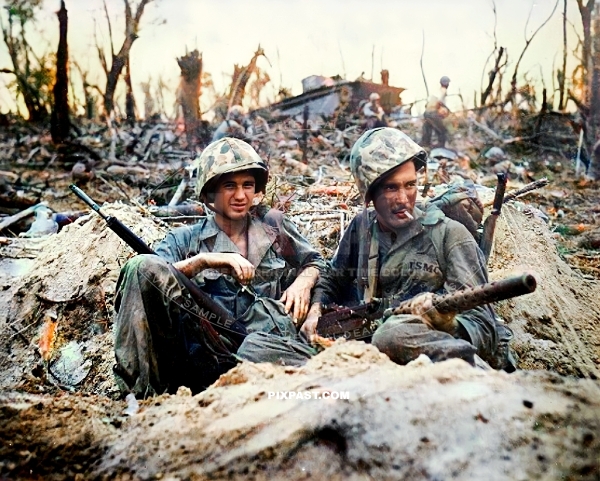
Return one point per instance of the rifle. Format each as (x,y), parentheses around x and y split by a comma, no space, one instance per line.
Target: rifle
(359,322)
(213,318)
(489,226)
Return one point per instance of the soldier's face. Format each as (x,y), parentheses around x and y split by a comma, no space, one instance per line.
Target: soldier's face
(395,197)
(234,195)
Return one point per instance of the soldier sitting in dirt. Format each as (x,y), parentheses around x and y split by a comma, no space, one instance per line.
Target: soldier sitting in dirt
(397,251)
(236,255)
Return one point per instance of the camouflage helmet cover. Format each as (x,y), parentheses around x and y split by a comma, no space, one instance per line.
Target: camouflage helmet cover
(225,156)
(379,151)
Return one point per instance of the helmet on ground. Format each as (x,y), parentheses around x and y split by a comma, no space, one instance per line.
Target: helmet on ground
(236,112)
(377,152)
(445,81)
(374,96)
(225,156)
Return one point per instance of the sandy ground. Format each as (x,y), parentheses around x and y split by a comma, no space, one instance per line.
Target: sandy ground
(422,421)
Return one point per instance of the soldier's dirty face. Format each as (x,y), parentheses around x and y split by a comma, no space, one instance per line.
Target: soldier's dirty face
(395,197)
(234,194)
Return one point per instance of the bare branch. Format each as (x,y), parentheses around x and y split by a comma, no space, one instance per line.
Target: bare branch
(421,62)
(528,42)
(110,36)
(100,50)
(139,12)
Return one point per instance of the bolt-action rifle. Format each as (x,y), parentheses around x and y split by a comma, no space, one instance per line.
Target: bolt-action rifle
(489,226)
(214,320)
(360,322)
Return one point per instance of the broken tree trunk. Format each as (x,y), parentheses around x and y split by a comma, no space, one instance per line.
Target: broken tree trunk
(59,122)
(119,60)
(594,92)
(238,85)
(129,98)
(492,76)
(189,95)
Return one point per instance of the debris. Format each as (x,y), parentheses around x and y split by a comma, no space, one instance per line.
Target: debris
(48,336)
(70,367)
(44,223)
(13,219)
(132,405)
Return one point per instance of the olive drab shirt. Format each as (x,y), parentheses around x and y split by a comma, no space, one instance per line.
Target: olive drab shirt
(275,248)
(399,266)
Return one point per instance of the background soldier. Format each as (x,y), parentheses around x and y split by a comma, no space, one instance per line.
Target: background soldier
(235,125)
(433,118)
(374,113)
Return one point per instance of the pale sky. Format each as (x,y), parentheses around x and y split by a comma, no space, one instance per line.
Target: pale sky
(305,37)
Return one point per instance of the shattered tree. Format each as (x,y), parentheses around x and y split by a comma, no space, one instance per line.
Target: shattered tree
(59,121)
(121,59)
(189,95)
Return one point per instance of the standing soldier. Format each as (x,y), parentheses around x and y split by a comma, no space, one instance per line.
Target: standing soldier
(435,113)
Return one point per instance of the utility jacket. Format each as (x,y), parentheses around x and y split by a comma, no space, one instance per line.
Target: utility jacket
(275,248)
(431,254)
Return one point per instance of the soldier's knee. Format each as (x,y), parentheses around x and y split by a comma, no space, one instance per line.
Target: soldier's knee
(396,328)
(146,268)
(396,335)
(146,263)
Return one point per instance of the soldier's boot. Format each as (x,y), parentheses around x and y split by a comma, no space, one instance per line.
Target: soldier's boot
(504,357)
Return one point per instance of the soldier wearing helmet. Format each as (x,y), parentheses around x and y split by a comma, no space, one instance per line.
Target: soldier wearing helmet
(397,251)
(236,254)
(235,125)
(373,112)
(435,113)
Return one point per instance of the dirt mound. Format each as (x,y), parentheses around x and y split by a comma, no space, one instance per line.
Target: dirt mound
(558,326)
(422,421)
(65,298)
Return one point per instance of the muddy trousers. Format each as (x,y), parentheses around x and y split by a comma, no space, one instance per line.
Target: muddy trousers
(158,346)
(433,122)
(402,338)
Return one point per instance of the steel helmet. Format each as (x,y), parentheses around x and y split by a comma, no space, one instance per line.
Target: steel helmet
(379,151)
(445,81)
(225,156)
(374,96)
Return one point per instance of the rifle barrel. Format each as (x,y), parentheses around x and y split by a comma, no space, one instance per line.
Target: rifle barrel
(472,297)
(87,199)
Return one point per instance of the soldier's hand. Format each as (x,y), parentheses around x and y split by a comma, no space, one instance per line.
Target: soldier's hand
(309,328)
(232,263)
(297,296)
(422,305)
